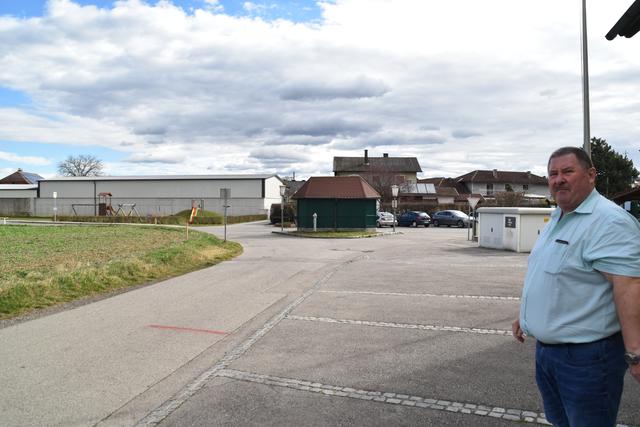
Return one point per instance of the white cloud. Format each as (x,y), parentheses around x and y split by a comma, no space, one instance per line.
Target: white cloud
(460,85)
(30,160)
(214,5)
(29,126)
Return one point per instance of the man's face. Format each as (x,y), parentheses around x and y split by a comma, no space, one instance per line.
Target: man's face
(569,182)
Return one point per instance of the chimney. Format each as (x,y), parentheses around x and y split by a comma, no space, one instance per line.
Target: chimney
(385,154)
(366,157)
(495,173)
(294,175)
(19,169)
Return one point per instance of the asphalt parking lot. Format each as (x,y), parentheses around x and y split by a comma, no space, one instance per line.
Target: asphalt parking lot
(411,329)
(405,329)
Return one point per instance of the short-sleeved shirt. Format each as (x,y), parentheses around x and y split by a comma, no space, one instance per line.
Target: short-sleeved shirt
(565,297)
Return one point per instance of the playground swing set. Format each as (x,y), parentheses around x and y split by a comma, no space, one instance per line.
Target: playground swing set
(106,209)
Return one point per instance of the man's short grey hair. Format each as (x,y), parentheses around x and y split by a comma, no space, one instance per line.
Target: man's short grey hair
(581,155)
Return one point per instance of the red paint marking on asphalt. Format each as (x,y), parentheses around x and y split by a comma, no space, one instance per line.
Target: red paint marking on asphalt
(178,328)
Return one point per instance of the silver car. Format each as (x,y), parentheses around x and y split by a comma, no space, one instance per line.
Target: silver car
(449,218)
(386,219)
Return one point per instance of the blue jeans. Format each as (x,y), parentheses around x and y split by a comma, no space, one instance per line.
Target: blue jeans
(581,384)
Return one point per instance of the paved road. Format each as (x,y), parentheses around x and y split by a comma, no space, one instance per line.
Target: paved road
(407,329)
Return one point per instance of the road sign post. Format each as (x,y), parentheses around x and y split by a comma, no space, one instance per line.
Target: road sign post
(225,195)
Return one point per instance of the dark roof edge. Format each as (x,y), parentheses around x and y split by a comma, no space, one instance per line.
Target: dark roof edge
(628,24)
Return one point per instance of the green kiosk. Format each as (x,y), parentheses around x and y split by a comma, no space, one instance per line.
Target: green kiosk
(336,203)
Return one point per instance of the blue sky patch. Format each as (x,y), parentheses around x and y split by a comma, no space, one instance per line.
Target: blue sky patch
(292,10)
(11,97)
(53,152)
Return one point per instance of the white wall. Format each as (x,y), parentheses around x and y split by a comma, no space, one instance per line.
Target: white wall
(18,194)
(481,188)
(272,192)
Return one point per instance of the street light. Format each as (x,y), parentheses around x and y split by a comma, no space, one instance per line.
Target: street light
(394,203)
(283,190)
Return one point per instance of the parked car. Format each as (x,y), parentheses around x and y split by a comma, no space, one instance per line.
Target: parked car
(386,219)
(449,218)
(414,219)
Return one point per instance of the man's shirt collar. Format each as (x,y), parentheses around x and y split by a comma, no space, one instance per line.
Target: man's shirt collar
(586,207)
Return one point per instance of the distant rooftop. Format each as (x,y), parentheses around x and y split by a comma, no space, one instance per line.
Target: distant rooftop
(498,176)
(377,165)
(21,177)
(18,187)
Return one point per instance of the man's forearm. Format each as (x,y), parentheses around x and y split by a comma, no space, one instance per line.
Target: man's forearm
(626,292)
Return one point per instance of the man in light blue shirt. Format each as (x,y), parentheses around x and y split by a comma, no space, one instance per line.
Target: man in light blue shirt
(581,298)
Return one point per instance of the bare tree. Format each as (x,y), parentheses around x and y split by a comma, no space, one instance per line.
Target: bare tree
(82,165)
(381,178)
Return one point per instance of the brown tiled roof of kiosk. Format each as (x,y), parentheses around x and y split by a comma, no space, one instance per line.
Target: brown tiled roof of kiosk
(336,187)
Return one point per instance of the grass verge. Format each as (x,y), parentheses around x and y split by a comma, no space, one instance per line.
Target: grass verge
(42,266)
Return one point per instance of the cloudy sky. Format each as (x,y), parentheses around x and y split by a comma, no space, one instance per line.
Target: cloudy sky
(222,86)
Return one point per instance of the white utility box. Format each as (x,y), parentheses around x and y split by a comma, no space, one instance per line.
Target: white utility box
(514,229)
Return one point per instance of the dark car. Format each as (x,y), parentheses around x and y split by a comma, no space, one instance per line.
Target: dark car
(414,219)
(449,218)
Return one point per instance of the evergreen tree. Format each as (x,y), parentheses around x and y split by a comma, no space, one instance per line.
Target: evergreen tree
(616,172)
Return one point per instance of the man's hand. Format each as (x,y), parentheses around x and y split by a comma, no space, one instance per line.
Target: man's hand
(518,334)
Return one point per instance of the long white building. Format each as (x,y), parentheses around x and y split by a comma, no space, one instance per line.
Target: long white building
(157,195)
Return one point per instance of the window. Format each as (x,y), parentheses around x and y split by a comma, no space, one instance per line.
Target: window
(525,187)
(489,189)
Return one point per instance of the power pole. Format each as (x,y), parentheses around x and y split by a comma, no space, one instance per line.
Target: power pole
(585,83)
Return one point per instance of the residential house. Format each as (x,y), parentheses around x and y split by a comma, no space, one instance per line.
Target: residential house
(489,182)
(21,177)
(379,172)
(18,193)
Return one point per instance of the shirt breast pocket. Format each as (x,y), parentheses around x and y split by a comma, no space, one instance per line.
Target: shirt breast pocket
(556,257)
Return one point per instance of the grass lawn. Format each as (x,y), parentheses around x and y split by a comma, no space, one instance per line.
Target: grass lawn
(41,266)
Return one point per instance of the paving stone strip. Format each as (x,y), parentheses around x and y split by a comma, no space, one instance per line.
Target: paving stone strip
(433,403)
(486,265)
(400,294)
(163,411)
(403,325)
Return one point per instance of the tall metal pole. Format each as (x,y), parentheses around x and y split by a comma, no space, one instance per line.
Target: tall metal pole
(585,83)
(283,193)
(394,214)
